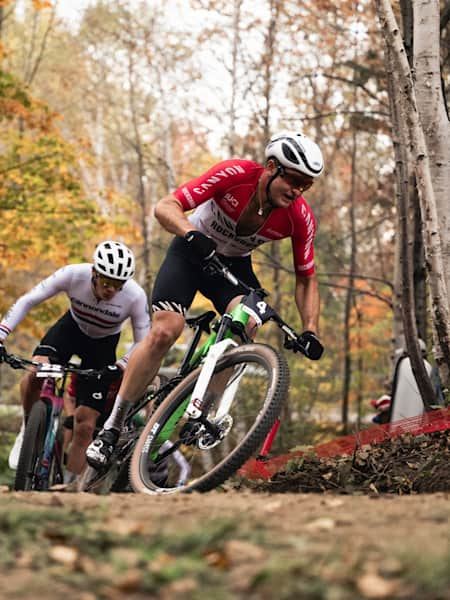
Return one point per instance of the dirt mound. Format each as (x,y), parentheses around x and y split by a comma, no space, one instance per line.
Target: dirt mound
(402,465)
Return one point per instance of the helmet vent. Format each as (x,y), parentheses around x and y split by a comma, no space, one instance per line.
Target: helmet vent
(289,154)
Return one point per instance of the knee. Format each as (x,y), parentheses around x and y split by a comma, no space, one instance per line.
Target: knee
(162,337)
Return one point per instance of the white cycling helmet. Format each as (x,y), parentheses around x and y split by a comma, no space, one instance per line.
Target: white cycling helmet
(114,260)
(296,151)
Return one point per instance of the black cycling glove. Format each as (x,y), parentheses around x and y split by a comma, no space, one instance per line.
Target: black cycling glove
(308,344)
(3,352)
(311,344)
(111,373)
(203,245)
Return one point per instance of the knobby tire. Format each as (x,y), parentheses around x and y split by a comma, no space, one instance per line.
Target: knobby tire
(32,447)
(265,372)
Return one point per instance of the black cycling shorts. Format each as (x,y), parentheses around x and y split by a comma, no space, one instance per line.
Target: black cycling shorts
(180,277)
(65,339)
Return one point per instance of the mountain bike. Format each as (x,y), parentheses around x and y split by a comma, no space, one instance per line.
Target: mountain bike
(40,464)
(225,405)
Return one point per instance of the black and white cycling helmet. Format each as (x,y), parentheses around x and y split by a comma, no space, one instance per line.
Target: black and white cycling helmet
(296,151)
(114,260)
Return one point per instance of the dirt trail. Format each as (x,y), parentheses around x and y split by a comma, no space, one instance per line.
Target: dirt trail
(270,545)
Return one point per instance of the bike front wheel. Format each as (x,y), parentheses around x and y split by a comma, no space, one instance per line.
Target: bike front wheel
(32,448)
(175,453)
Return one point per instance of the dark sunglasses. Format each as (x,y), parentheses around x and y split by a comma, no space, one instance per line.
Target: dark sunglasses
(296,180)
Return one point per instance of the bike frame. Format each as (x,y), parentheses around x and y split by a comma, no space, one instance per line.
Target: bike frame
(53,396)
(213,349)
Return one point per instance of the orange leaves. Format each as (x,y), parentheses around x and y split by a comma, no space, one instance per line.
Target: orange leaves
(41,4)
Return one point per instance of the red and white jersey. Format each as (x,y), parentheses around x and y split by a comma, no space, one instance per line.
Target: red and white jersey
(95,318)
(219,197)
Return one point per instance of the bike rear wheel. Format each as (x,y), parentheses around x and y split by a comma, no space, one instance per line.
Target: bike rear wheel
(244,398)
(32,448)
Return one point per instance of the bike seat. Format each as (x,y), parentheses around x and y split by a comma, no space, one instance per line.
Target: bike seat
(201,321)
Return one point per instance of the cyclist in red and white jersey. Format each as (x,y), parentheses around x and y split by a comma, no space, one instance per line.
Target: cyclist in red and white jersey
(102,296)
(238,205)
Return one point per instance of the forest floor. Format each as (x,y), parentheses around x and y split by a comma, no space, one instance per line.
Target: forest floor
(350,539)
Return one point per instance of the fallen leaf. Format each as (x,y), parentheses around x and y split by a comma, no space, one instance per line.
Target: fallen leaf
(322,524)
(64,554)
(374,586)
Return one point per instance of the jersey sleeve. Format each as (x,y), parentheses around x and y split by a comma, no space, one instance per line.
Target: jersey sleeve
(215,182)
(140,323)
(303,241)
(47,288)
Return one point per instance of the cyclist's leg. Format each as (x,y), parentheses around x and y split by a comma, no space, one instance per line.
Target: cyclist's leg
(175,287)
(91,396)
(147,356)
(83,430)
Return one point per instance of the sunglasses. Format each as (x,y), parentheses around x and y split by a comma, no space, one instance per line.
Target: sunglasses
(296,181)
(105,282)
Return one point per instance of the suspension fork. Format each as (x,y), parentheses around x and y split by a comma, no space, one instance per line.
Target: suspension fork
(221,339)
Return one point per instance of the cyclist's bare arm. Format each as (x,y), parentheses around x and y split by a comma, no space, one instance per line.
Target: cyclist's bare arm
(308,302)
(170,214)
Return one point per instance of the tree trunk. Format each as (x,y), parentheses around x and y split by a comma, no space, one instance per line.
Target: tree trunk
(436,127)
(350,295)
(407,131)
(236,43)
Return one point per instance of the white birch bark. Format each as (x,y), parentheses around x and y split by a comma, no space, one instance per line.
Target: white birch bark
(430,217)
(433,115)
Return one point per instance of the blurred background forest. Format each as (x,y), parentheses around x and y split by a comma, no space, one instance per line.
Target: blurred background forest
(103,114)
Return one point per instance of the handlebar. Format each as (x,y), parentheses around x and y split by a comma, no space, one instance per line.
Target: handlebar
(292,340)
(53,370)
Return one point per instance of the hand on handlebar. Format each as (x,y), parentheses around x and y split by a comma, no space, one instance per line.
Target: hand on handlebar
(111,373)
(3,353)
(307,343)
(203,246)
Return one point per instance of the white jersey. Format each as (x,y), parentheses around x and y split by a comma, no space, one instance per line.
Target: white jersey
(95,318)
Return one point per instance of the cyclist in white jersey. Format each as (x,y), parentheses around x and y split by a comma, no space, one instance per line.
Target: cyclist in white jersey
(102,297)
(238,205)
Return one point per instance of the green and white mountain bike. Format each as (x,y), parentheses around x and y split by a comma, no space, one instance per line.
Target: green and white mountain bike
(225,404)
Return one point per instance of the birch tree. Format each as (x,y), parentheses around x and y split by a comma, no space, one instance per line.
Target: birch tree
(423,119)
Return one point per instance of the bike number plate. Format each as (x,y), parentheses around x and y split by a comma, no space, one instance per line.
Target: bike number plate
(257,308)
(49,370)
